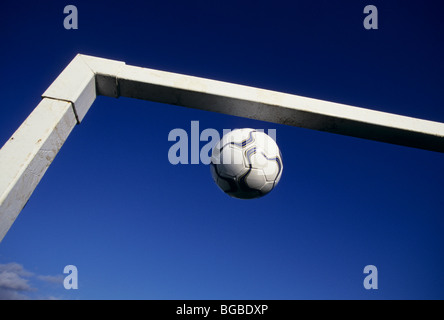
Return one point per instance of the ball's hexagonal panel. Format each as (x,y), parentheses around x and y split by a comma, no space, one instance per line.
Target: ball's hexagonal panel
(255,179)
(271,170)
(277,180)
(267,187)
(239,137)
(266,144)
(225,185)
(231,162)
(213,172)
(215,156)
(246,194)
(255,157)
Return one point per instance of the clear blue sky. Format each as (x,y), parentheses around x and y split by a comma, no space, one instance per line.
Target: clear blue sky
(138,227)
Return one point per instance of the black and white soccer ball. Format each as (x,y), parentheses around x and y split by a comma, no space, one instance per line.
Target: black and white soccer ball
(246,164)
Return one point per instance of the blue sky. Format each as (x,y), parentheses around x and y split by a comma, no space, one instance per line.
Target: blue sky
(137,227)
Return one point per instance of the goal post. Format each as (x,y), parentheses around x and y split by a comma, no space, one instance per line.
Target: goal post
(26,156)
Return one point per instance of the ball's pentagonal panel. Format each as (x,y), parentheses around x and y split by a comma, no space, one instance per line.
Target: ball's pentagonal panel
(246,163)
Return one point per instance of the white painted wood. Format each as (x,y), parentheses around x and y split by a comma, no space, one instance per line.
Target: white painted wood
(76,84)
(277,107)
(106,72)
(27,155)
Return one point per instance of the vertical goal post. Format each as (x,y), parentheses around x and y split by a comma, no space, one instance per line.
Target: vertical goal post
(26,156)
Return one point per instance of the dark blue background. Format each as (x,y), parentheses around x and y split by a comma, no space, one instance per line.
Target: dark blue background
(138,227)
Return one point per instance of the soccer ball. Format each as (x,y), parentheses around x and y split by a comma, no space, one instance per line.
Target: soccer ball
(246,164)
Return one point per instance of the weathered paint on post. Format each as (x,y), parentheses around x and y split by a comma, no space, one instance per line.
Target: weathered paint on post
(27,155)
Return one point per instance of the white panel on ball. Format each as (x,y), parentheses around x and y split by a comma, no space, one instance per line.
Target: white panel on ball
(246,164)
